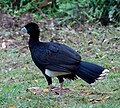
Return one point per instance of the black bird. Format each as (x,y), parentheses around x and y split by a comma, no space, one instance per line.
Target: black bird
(58,60)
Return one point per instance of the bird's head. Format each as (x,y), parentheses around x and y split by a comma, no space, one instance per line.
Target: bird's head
(32,29)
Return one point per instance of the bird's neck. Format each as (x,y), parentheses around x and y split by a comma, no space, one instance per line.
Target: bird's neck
(33,41)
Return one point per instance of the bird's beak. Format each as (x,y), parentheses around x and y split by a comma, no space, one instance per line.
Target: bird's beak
(24,30)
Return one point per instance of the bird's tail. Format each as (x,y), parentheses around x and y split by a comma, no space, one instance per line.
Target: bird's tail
(90,72)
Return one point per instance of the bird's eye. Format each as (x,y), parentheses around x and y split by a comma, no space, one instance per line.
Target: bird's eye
(29,29)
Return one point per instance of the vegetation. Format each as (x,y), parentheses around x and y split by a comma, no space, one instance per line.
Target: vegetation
(77,23)
(73,11)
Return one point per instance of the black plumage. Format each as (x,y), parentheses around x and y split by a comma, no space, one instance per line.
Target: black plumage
(55,59)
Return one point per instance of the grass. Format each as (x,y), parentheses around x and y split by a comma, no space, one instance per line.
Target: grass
(18,73)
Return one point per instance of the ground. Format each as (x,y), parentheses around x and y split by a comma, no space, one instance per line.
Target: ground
(22,85)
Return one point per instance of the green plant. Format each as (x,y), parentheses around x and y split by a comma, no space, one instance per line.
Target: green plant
(70,11)
(105,11)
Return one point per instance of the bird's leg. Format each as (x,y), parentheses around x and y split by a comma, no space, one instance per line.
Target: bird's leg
(49,80)
(50,86)
(61,89)
(61,86)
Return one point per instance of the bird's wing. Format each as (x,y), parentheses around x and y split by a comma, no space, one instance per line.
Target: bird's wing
(59,57)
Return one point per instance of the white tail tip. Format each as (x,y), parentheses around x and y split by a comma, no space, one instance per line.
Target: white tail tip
(104,73)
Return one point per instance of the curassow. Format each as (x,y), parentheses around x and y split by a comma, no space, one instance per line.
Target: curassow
(58,60)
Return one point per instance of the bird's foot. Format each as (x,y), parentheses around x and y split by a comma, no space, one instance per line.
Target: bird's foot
(61,91)
(60,95)
(49,93)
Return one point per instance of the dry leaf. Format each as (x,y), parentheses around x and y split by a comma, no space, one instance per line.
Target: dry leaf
(13,106)
(56,90)
(45,90)
(34,90)
(36,81)
(4,45)
(99,99)
(90,42)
